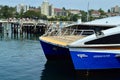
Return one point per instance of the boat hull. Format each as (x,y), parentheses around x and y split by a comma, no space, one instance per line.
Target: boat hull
(85,60)
(55,52)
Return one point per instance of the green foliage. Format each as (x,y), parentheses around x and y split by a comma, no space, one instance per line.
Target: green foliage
(101,11)
(7,12)
(43,17)
(34,15)
(84,16)
(31,14)
(74,17)
(109,11)
(10,12)
(52,19)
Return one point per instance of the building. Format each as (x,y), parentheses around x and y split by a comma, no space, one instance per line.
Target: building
(51,10)
(47,9)
(59,12)
(95,13)
(74,11)
(22,7)
(34,9)
(115,9)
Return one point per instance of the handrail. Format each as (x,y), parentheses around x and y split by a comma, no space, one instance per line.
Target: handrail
(46,33)
(61,32)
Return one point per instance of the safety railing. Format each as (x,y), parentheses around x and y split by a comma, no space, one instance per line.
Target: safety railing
(66,31)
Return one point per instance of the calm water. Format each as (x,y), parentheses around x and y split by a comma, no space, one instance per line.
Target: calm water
(23,59)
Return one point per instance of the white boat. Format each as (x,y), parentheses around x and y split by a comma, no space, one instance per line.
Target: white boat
(92,45)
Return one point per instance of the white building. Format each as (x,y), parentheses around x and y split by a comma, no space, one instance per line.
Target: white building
(115,9)
(51,11)
(47,9)
(21,7)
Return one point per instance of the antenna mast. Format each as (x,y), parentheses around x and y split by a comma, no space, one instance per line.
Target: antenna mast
(88,12)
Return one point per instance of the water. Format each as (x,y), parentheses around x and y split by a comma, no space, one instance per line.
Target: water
(23,59)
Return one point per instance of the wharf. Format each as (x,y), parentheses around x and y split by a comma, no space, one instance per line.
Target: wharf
(23,26)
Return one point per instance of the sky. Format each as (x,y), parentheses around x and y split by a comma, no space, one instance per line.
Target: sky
(68,4)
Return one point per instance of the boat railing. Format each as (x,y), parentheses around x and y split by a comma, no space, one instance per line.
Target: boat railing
(78,32)
(49,31)
(65,32)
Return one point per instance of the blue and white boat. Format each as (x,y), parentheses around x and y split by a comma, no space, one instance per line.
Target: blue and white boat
(97,51)
(54,46)
(88,46)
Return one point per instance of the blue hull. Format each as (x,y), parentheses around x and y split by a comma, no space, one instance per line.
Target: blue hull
(55,52)
(94,60)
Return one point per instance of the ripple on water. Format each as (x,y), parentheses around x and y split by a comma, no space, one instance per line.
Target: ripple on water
(21,60)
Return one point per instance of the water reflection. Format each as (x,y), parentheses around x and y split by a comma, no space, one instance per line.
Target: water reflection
(112,74)
(55,70)
(19,36)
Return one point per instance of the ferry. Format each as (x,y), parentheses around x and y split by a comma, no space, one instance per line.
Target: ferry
(88,46)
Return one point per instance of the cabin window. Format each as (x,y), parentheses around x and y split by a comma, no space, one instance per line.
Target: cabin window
(112,39)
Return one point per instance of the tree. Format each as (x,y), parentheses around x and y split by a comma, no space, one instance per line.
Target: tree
(101,12)
(22,12)
(109,11)
(44,17)
(31,14)
(51,19)
(84,16)
(7,12)
(63,8)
